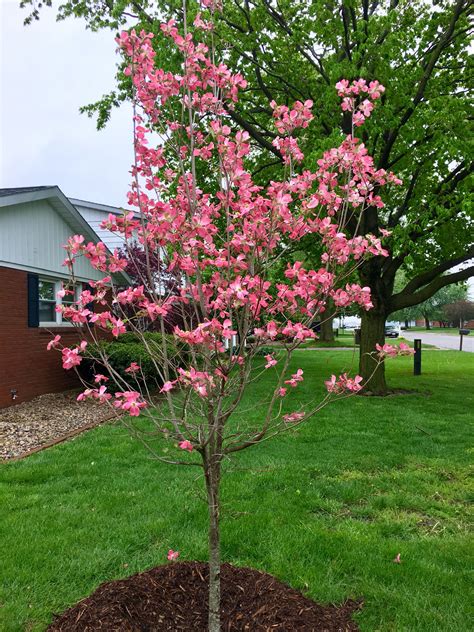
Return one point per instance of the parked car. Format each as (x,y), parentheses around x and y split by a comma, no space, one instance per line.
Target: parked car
(391,332)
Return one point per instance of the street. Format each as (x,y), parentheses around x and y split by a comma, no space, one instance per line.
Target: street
(443,341)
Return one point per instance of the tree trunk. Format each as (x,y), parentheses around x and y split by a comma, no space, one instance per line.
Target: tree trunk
(427,323)
(407,324)
(212,485)
(327,333)
(372,332)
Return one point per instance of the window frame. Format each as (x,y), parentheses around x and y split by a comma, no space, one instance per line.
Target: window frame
(58,285)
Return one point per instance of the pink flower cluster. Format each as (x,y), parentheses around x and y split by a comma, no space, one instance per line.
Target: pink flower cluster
(343,384)
(200,381)
(352,294)
(286,120)
(350,92)
(72,357)
(270,361)
(130,401)
(209,332)
(293,417)
(391,351)
(97,254)
(295,378)
(100,394)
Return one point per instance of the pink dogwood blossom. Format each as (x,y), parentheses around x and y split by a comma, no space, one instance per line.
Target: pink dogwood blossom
(295,378)
(404,349)
(133,368)
(129,401)
(186,445)
(386,350)
(72,357)
(343,384)
(100,378)
(292,417)
(52,344)
(270,361)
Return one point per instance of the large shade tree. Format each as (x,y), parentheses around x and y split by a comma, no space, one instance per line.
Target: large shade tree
(298,49)
(459,312)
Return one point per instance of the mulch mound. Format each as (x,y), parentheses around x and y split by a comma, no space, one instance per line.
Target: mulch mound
(173,598)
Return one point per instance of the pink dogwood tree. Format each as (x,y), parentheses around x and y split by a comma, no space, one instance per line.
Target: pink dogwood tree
(200,216)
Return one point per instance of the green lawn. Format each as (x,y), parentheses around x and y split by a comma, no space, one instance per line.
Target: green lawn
(325,508)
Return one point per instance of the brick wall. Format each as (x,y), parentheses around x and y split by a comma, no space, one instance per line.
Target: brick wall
(25,364)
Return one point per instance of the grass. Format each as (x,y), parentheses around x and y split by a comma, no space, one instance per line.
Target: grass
(325,508)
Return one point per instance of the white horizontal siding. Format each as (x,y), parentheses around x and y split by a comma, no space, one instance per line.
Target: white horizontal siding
(94,218)
(32,235)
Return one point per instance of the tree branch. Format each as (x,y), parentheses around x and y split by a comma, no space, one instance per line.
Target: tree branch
(429,68)
(403,299)
(254,133)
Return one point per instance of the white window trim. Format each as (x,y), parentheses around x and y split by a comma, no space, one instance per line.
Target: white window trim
(58,285)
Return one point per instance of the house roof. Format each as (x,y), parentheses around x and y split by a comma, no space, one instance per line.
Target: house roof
(15,190)
(106,208)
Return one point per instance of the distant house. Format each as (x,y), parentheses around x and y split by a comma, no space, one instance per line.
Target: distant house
(35,222)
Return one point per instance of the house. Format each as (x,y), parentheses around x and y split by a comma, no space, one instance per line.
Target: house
(35,222)
(95,214)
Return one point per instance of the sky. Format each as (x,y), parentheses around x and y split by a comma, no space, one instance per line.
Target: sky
(47,71)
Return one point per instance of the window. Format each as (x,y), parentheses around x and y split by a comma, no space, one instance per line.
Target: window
(48,301)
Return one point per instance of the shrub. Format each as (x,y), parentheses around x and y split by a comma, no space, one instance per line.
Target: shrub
(144,349)
(265,350)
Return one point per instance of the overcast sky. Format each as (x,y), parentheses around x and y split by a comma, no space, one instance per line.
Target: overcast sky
(48,70)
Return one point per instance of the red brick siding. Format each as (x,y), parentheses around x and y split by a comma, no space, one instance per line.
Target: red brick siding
(25,364)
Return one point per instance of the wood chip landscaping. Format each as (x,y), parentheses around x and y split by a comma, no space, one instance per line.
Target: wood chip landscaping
(46,420)
(173,598)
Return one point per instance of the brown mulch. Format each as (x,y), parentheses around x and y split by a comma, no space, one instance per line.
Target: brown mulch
(46,420)
(173,598)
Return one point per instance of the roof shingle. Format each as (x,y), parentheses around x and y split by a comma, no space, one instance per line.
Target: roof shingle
(16,190)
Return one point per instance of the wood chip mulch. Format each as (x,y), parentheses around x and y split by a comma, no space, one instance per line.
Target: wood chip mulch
(46,420)
(173,598)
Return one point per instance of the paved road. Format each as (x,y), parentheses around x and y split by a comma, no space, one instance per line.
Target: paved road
(444,341)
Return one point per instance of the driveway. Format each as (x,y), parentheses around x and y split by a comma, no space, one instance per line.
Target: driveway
(444,341)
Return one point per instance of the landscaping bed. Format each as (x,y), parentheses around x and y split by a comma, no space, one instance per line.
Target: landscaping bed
(174,598)
(46,420)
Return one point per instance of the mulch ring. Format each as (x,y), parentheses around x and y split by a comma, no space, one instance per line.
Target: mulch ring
(174,598)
